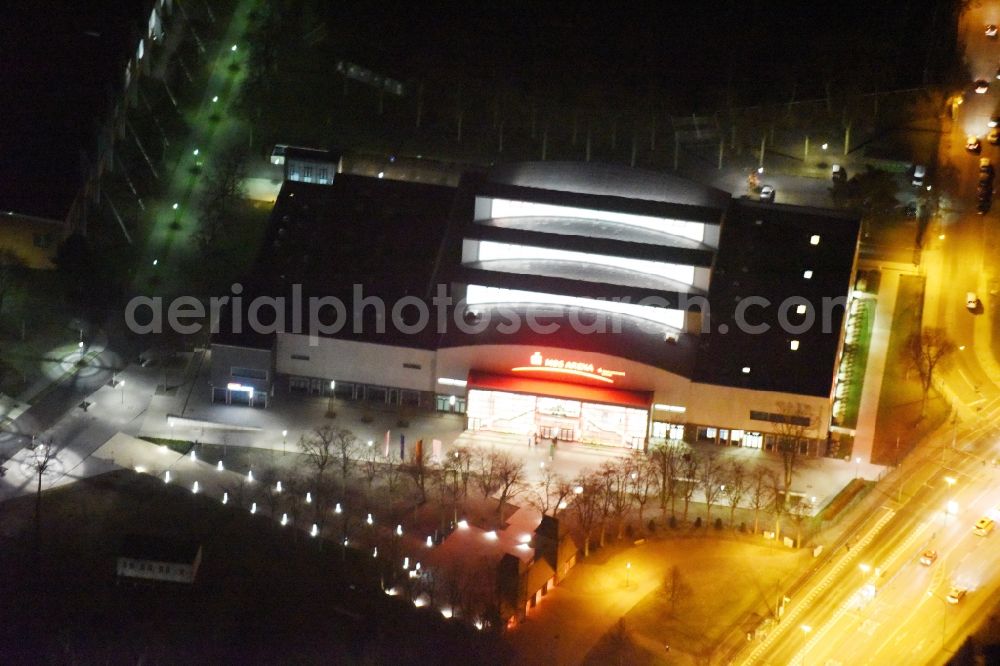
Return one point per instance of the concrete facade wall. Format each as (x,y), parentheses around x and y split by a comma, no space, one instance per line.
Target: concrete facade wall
(729,407)
(227,357)
(420,369)
(351,361)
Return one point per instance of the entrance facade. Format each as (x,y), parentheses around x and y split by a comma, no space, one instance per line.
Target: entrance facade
(546,414)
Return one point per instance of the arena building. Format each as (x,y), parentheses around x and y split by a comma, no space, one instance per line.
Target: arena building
(588,303)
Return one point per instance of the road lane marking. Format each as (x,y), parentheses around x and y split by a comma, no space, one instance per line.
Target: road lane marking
(816,590)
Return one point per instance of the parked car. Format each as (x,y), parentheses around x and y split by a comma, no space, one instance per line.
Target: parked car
(955,594)
(910,210)
(928,557)
(991,31)
(972,143)
(982,86)
(985,165)
(919,173)
(767,193)
(984,206)
(839,174)
(993,136)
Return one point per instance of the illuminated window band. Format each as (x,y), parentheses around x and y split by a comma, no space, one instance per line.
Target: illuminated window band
(447,381)
(670,408)
(233,386)
(557,366)
(508,208)
(489,250)
(481,295)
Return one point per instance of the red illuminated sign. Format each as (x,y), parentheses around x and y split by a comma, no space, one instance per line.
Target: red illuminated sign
(540,363)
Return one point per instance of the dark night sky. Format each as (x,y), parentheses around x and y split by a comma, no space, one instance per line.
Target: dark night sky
(673,45)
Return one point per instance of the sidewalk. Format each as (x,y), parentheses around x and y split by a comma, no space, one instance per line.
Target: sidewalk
(864,437)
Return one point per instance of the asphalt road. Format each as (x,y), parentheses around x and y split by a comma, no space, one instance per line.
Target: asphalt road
(909,620)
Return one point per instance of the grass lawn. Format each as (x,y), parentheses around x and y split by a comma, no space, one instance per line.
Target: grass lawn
(866,319)
(264,594)
(716,582)
(899,418)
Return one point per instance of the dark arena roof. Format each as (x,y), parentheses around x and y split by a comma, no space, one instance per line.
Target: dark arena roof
(158,549)
(381,234)
(401,239)
(764,252)
(608,180)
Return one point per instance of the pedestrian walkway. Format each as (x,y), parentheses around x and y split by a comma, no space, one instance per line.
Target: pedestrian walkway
(864,437)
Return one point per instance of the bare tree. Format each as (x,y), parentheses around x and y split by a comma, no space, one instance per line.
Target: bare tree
(319,449)
(224,186)
(42,462)
(392,474)
(735,486)
(462,457)
(759,492)
(294,500)
(799,511)
(666,461)
(675,589)
(794,422)
(777,502)
(586,506)
(443,481)
(509,479)
(925,351)
(689,483)
(711,478)
(486,473)
(418,469)
(644,481)
(370,464)
(269,493)
(345,446)
(550,492)
(618,487)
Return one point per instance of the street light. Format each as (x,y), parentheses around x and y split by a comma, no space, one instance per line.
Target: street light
(329,404)
(951,508)
(284,438)
(628,570)
(857,467)
(122,384)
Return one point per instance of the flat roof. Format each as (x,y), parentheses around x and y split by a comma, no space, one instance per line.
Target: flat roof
(400,239)
(609,180)
(381,234)
(765,252)
(158,548)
